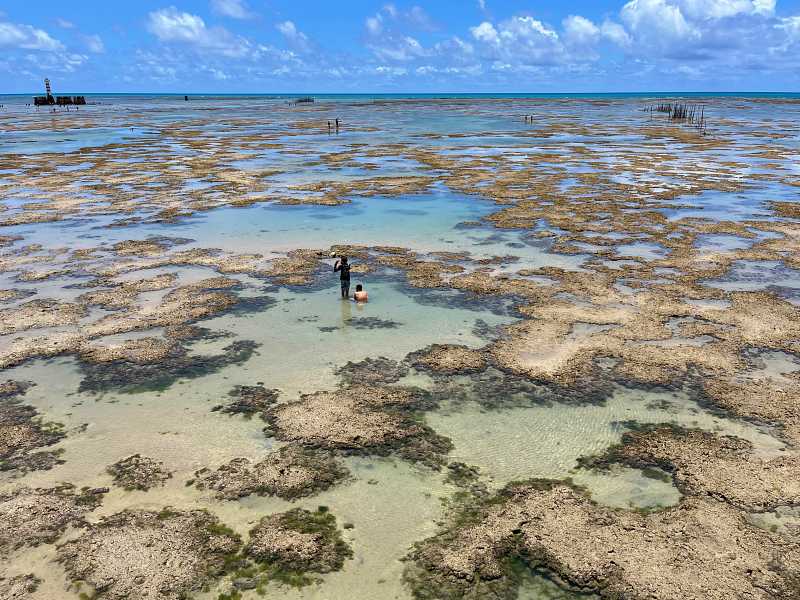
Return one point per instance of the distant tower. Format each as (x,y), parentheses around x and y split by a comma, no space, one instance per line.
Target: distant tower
(47,88)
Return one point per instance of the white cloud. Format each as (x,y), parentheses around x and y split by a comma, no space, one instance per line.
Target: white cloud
(403,48)
(720,9)
(170,25)
(519,40)
(485,32)
(236,9)
(64,24)
(294,37)
(614,32)
(658,21)
(94,43)
(27,38)
(580,31)
(482,5)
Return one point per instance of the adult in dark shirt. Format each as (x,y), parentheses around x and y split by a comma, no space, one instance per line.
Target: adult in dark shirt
(343,267)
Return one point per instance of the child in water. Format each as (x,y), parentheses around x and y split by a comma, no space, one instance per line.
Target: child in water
(360,295)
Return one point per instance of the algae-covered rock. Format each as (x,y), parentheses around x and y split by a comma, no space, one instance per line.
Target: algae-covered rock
(139,554)
(296,544)
(23,434)
(248,400)
(699,549)
(39,516)
(18,587)
(448,359)
(377,420)
(289,473)
(139,472)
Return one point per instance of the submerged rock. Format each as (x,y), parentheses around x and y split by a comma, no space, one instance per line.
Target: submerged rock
(699,549)
(140,554)
(361,420)
(297,543)
(372,371)
(248,400)
(22,433)
(19,587)
(131,377)
(139,472)
(289,473)
(39,516)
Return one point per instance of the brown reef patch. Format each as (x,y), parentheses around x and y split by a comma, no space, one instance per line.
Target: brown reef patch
(248,400)
(290,473)
(699,549)
(39,516)
(298,542)
(139,554)
(361,420)
(448,359)
(707,465)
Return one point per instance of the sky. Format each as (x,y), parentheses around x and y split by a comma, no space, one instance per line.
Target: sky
(363,46)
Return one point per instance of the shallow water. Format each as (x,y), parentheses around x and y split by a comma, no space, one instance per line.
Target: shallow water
(305,334)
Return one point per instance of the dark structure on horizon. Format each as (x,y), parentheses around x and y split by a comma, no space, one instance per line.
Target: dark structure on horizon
(50,100)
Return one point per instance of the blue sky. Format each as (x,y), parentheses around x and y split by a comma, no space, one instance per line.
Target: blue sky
(194,46)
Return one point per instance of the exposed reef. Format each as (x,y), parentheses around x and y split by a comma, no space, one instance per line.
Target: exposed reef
(290,472)
(140,554)
(710,548)
(18,587)
(295,545)
(707,465)
(361,420)
(448,359)
(39,516)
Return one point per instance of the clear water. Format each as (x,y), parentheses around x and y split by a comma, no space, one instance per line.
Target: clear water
(305,335)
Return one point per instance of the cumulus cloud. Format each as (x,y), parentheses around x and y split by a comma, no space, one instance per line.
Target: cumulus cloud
(519,40)
(658,21)
(27,38)
(296,39)
(236,9)
(580,31)
(389,33)
(171,25)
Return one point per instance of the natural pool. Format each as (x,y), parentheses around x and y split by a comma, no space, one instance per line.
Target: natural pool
(513,271)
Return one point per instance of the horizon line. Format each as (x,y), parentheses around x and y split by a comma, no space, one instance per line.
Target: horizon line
(398,93)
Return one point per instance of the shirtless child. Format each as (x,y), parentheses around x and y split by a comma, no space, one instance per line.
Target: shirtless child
(360,295)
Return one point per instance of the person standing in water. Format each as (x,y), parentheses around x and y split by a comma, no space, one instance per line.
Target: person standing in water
(343,267)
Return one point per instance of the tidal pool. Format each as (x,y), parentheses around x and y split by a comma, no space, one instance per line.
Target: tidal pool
(138,170)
